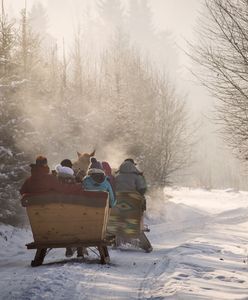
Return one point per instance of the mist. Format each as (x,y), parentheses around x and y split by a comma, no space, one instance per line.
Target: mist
(161,84)
(113,76)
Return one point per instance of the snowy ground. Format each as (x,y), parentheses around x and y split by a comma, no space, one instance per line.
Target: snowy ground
(200,241)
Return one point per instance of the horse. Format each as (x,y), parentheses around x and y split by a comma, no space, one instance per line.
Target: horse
(80,166)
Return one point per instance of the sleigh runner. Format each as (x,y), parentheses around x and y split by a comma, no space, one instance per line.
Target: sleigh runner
(61,221)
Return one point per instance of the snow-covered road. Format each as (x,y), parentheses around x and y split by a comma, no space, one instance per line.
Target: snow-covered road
(200,241)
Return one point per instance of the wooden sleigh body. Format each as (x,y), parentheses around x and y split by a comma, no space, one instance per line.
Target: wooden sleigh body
(62,221)
(126,220)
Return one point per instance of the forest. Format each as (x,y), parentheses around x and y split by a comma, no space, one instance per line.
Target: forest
(101,93)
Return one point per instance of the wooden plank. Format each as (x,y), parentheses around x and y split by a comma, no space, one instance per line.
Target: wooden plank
(53,212)
(52,229)
(73,244)
(66,222)
(71,208)
(106,219)
(65,215)
(58,233)
(87,198)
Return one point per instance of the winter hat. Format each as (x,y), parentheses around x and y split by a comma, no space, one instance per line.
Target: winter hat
(64,170)
(41,161)
(66,163)
(131,160)
(95,171)
(94,164)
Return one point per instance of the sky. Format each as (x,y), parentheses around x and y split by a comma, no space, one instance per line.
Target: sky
(178,16)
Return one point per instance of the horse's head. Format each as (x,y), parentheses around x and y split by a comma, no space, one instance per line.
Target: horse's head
(82,162)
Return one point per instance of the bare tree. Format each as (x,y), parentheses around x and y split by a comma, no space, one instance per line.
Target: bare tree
(173,135)
(146,116)
(77,62)
(222,54)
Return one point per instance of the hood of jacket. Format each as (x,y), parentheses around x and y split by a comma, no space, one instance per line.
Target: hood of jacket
(64,170)
(128,167)
(97,179)
(107,169)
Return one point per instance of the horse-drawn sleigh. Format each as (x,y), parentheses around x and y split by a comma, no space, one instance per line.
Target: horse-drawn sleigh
(81,220)
(61,221)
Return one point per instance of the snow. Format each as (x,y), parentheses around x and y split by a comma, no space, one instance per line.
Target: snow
(6,150)
(3,176)
(200,241)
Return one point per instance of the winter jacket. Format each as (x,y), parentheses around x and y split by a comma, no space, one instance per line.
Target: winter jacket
(108,171)
(41,181)
(129,178)
(91,185)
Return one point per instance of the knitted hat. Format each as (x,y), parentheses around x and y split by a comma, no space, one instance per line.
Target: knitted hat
(95,164)
(95,171)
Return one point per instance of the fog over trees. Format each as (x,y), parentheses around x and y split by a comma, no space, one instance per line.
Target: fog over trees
(115,86)
(55,101)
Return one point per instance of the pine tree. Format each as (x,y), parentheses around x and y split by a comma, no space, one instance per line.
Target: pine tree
(13,160)
(112,13)
(7,42)
(38,21)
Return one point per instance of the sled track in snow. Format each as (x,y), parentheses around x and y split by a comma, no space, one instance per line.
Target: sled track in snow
(85,288)
(60,278)
(150,283)
(42,283)
(154,281)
